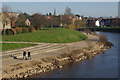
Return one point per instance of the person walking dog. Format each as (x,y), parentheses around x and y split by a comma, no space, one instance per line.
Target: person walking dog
(29,55)
(24,54)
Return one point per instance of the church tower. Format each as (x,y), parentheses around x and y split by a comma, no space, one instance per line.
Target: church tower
(54,12)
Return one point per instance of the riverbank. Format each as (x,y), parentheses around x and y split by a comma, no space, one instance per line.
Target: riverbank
(33,67)
(104,29)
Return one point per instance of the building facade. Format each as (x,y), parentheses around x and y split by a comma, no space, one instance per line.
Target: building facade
(6,24)
(97,23)
(27,22)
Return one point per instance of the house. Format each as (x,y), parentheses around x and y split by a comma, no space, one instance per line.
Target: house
(13,22)
(97,23)
(12,14)
(27,22)
(105,22)
(90,22)
(4,24)
(80,18)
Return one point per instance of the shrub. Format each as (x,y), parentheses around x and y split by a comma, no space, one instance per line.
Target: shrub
(25,30)
(18,29)
(14,30)
(27,26)
(109,44)
(9,32)
(31,29)
(102,38)
(37,28)
(88,31)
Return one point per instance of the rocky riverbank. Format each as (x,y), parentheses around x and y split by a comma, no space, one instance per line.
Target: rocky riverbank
(31,68)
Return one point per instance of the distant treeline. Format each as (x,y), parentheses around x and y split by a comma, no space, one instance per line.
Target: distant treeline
(105,29)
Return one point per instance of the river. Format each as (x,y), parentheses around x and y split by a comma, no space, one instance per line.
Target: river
(103,65)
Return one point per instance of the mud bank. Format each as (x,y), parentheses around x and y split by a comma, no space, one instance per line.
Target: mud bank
(31,68)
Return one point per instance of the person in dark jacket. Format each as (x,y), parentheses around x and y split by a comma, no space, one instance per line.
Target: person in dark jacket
(24,54)
(29,55)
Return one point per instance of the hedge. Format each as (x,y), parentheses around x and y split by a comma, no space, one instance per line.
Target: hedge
(25,30)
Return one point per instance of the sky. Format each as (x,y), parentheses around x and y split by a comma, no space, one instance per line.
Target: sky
(59,0)
(94,9)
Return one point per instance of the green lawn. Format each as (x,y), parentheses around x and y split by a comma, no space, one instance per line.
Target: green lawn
(12,46)
(55,35)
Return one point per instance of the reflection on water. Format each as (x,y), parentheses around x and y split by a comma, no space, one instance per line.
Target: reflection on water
(102,66)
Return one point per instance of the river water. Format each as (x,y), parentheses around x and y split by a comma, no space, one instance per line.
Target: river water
(103,65)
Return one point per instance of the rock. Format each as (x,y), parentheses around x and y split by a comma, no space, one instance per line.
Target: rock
(39,71)
(20,76)
(44,70)
(94,53)
(52,68)
(109,44)
(26,75)
(59,66)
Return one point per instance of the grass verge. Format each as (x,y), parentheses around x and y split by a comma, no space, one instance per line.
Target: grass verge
(12,46)
(54,35)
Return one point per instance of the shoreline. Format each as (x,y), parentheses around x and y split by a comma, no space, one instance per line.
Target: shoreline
(28,69)
(104,29)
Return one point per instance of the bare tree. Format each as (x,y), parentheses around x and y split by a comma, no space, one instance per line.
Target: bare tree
(5,16)
(66,20)
(38,20)
(67,11)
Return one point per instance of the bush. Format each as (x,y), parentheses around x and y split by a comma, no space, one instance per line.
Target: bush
(37,28)
(31,29)
(18,29)
(27,26)
(14,30)
(9,32)
(109,44)
(102,38)
(88,31)
(25,30)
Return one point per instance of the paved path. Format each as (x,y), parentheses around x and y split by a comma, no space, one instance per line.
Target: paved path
(40,48)
(44,50)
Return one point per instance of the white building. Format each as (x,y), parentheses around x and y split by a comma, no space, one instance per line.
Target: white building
(27,22)
(97,23)
(80,18)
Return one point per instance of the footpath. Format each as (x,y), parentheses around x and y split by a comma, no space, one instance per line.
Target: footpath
(43,50)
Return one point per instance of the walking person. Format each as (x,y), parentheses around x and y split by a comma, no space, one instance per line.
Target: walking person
(24,54)
(29,55)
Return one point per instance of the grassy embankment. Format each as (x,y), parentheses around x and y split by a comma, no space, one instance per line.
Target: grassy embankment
(12,46)
(54,35)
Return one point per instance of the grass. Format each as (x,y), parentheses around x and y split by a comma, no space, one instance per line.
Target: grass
(54,35)
(12,46)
